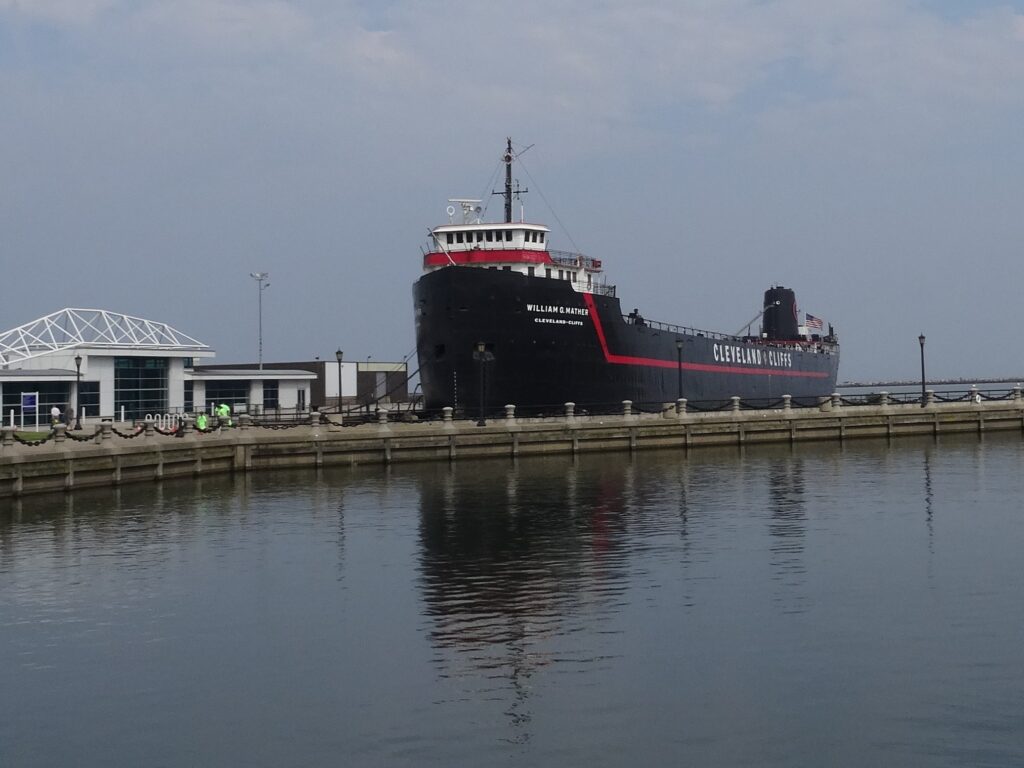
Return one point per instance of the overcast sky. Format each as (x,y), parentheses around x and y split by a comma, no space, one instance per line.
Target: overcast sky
(867,153)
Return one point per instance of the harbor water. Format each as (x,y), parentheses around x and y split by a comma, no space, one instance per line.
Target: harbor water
(820,604)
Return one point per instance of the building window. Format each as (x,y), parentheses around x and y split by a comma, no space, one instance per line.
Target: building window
(51,393)
(189,399)
(140,386)
(234,393)
(270,401)
(89,398)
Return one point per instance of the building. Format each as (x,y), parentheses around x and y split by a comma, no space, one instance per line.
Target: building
(121,367)
(363,384)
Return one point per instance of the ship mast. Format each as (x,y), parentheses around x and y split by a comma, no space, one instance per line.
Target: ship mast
(508,182)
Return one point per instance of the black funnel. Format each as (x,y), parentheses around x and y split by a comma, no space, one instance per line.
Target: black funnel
(779,320)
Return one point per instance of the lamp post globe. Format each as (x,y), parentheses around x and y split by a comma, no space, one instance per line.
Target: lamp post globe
(78,392)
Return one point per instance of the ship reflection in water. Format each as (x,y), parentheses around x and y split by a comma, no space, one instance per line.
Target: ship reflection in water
(536,565)
(514,560)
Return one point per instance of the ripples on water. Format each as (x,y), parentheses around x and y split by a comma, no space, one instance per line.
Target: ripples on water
(822,605)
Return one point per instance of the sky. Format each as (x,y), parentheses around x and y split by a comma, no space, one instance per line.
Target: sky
(868,154)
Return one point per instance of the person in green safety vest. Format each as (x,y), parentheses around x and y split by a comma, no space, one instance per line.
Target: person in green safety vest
(223,412)
(201,421)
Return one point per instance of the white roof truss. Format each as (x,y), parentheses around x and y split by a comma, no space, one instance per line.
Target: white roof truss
(69,328)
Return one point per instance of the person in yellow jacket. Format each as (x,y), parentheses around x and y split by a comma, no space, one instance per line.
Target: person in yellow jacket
(223,412)
(201,421)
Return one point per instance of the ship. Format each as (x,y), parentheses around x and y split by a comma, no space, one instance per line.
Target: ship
(502,318)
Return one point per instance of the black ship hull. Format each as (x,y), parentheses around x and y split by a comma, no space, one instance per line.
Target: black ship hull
(545,344)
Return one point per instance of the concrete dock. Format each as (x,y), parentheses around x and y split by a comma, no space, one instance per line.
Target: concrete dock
(109,457)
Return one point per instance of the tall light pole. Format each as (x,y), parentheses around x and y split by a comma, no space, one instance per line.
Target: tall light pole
(339,355)
(920,340)
(261,282)
(480,354)
(78,392)
(679,370)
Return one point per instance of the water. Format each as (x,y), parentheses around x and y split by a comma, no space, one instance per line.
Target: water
(825,605)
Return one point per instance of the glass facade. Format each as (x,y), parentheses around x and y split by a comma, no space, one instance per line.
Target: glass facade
(140,386)
(189,396)
(51,393)
(270,401)
(234,393)
(89,398)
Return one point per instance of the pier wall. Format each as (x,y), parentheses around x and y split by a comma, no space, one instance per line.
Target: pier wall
(66,462)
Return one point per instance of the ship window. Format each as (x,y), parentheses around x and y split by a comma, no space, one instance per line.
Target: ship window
(508,235)
(490,236)
(458,236)
(561,274)
(547,272)
(542,237)
(572,276)
(507,269)
(479,237)
(530,271)
(450,238)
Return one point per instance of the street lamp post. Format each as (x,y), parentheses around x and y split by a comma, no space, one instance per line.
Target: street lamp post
(679,370)
(920,340)
(339,354)
(262,285)
(78,392)
(480,358)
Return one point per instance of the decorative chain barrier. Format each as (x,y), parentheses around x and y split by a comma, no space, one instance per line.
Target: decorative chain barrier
(81,438)
(23,441)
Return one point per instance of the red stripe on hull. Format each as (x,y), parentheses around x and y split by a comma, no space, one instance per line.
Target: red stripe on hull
(704,367)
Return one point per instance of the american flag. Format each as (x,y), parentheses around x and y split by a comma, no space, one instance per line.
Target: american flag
(814,322)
